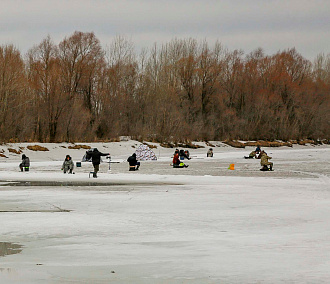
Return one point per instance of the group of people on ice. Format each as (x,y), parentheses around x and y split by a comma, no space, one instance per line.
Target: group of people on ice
(264,159)
(179,156)
(94,155)
(68,165)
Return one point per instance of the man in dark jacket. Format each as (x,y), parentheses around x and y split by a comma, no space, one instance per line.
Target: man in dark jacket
(133,163)
(25,165)
(96,160)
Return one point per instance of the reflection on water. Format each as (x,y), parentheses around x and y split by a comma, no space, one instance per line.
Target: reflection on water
(9,248)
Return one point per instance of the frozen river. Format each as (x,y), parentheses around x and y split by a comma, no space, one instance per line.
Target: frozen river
(203,224)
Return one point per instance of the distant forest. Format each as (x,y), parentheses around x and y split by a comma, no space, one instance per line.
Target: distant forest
(183,90)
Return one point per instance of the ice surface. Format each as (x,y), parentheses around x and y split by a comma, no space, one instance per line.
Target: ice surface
(202,224)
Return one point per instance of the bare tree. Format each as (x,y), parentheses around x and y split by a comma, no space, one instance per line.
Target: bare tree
(13,94)
(81,58)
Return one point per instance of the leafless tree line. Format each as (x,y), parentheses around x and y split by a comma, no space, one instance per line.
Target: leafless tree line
(182,90)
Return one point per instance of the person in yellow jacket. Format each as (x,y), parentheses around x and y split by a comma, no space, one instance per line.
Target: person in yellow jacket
(264,161)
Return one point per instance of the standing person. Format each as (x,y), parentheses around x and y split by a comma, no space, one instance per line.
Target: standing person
(133,163)
(210,153)
(68,165)
(25,165)
(264,161)
(96,160)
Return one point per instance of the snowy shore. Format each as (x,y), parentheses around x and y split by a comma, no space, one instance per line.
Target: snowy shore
(203,224)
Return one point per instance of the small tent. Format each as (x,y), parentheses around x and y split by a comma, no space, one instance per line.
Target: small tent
(144,153)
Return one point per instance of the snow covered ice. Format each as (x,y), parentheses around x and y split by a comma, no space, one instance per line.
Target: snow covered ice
(202,224)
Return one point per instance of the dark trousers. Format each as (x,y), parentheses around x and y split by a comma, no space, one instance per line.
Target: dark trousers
(96,168)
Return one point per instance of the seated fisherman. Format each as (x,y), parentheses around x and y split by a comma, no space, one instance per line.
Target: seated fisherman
(25,165)
(177,163)
(183,155)
(252,155)
(210,153)
(264,162)
(68,165)
(133,163)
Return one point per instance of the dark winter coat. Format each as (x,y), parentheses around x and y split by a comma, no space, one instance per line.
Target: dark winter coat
(183,154)
(25,161)
(132,160)
(96,156)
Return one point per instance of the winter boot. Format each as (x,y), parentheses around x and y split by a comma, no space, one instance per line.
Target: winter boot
(94,175)
(70,172)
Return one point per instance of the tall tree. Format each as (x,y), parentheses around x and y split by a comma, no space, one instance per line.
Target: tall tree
(45,78)
(13,94)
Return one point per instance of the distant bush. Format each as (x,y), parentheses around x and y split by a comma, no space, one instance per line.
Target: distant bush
(80,147)
(235,144)
(37,148)
(11,150)
(209,144)
(189,145)
(167,145)
(150,145)
(268,144)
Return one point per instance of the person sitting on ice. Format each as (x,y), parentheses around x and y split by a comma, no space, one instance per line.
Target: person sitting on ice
(258,149)
(25,165)
(252,155)
(67,165)
(183,155)
(264,162)
(176,161)
(133,163)
(210,153)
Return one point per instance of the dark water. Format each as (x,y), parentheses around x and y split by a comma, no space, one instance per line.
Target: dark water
(9,248)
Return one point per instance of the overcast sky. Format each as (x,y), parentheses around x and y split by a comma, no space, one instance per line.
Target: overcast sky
(271,24)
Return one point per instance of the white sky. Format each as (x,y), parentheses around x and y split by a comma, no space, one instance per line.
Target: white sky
(271,24)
